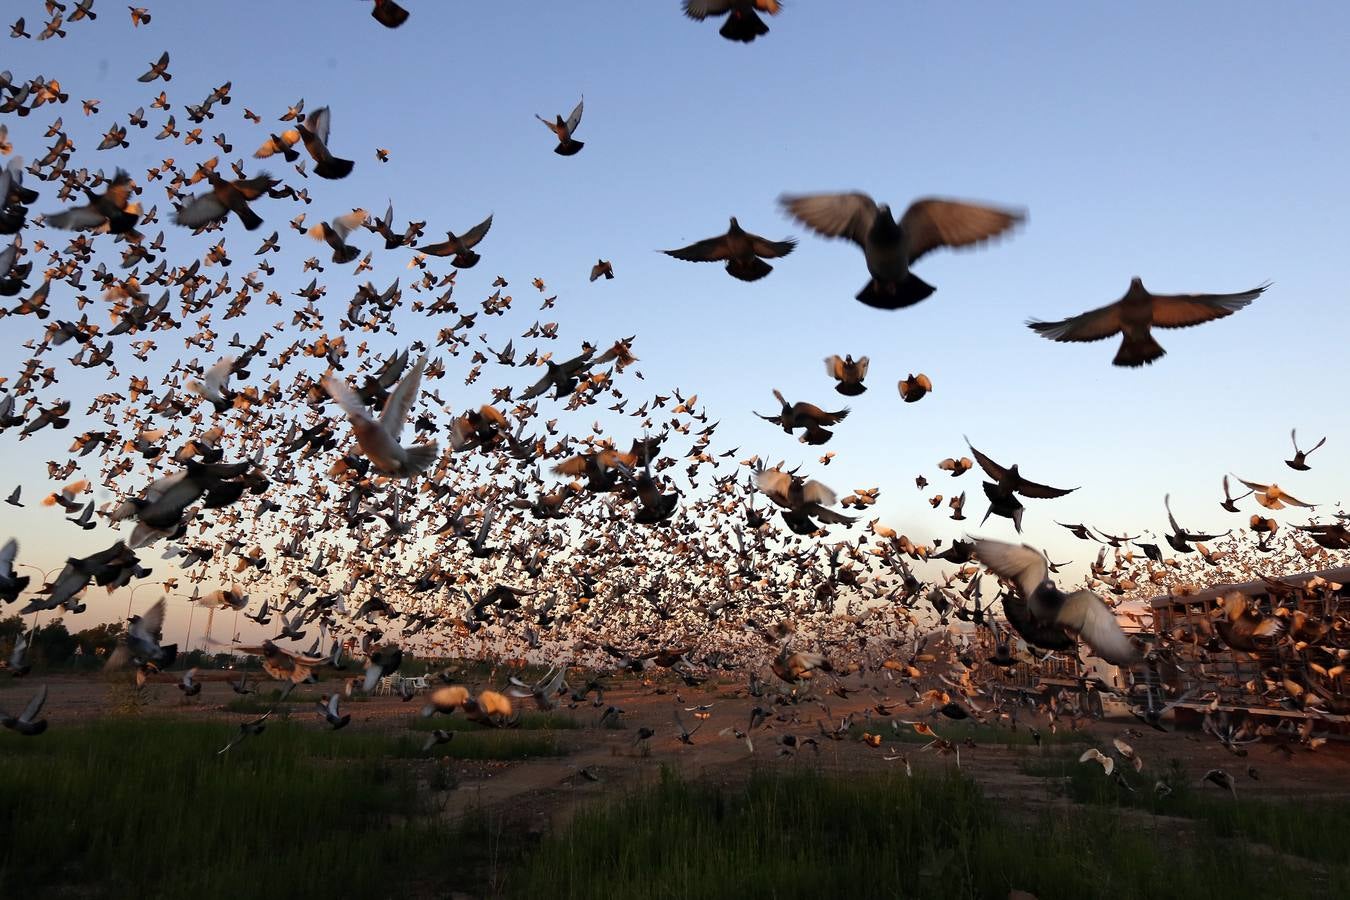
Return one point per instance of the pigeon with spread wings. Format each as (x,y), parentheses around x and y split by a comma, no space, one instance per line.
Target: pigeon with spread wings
(379,438)
(849,373)
(563,377)
(1272,496)
(314,133)
(225,197)
(1180,539)
(111,211)
(140,642)
(801,500)
(743,252)
(334,234)
(743,23)
(460,247)
(1082,612)
(1137,313)
(563,130)
(212,386)
(1229,502)
(890,246)
(1007,483)
(807,416)
(1300,461)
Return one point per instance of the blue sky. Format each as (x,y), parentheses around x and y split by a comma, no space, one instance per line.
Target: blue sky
(1201,146)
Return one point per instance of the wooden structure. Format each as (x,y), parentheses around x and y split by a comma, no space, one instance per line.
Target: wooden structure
(1055,674)
(1204,672)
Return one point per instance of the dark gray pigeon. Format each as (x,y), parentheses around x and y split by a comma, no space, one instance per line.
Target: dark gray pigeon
(891,246)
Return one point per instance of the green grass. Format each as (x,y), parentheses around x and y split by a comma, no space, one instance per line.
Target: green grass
(147,808)
(1311,830)
(530,721)
(498,745)
(261,701)
(877,836)
(948,729)
(144,806)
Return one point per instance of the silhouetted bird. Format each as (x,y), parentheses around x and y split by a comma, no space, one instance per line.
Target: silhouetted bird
(743,23)
(387,13)
(739,249)
(891,247)
(1137,313)
(563,130)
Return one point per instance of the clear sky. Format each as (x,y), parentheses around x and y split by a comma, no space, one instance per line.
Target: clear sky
(1201,146)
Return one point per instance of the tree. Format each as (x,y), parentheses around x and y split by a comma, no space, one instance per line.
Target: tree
(100,640)
(10,629)
(52,644)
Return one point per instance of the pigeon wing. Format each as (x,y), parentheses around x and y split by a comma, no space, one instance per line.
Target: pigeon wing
(991,468)
(201,210)
(931,223)
(152,623)
(834,215)
(345,398)
(319,122)
(76,219)
(771,249)
(471,237)
(1041,491)
(35,705)
(1022,563)
(401,400)
(713,249)
(1184,310)
(575,118)
(1085,613)
(1093,325)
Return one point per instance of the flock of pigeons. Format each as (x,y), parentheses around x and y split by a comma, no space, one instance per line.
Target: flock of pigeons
(343,498)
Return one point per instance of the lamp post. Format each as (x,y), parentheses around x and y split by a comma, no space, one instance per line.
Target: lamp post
(210,620)
(192,612)
(45,576)
(143,584)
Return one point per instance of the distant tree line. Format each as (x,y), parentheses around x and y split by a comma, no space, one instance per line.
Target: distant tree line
(52,646)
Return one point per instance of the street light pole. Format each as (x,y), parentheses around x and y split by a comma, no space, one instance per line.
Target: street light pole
(210,620)
(192,613)
(143,584)
(45,576)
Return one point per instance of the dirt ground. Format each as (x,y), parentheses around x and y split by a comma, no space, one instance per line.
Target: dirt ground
(539,793)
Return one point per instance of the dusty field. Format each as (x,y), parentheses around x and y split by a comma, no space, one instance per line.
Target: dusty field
(538,793)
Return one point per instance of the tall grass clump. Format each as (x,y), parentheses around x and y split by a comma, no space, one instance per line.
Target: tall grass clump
(791,835)
(148,808)
(1311,830)
(481,745)
(527,721)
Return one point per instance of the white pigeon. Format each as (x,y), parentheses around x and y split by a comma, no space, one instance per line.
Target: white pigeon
(212,386)
(1094,755)
(378,438)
